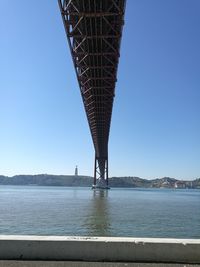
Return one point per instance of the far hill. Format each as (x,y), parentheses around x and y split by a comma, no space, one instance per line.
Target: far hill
(72,180)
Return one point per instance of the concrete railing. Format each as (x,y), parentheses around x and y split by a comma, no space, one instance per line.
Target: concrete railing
(99,249)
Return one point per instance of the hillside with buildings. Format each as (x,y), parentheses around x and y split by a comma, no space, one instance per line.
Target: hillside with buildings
(79,180)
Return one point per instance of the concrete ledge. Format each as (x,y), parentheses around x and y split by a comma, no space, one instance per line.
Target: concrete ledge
(99,249)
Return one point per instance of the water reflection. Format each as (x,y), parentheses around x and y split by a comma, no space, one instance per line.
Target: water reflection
(98,221)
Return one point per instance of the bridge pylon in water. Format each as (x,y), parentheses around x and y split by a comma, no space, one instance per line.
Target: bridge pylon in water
(94,30)
(100,173)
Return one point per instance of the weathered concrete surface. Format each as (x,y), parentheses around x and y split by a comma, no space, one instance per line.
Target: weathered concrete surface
(106,249)
(86,264)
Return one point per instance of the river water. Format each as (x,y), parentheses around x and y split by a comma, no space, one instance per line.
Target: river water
(40,210)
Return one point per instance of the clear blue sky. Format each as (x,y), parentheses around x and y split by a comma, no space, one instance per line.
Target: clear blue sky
(155,129)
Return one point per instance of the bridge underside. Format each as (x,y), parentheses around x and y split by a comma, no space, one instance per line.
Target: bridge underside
(94,29)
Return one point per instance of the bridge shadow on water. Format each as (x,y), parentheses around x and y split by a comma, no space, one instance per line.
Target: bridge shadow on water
(98,221)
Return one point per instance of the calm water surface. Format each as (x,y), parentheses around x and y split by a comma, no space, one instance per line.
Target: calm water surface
(82,211)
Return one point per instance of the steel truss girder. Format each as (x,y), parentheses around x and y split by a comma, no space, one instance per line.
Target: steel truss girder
(94,30)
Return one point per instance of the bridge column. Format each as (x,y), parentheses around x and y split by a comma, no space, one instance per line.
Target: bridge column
(100,173)
(95,171)
(107,172)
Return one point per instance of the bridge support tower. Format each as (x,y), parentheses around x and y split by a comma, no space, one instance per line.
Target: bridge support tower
(100,173)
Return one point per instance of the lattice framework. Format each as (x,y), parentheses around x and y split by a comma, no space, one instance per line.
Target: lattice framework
(94,29)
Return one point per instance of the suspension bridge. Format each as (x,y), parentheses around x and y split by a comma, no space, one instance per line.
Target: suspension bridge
(94,31)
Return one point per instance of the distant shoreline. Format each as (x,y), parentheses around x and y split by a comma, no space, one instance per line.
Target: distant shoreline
(87,181)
